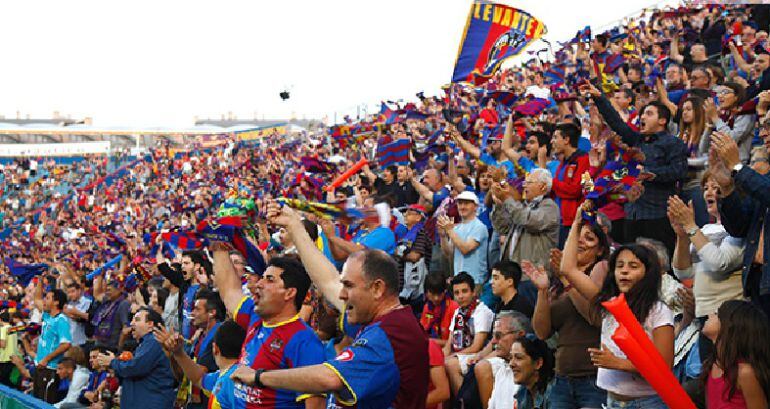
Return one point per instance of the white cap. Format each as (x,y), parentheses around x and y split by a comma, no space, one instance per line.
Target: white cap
(469,196)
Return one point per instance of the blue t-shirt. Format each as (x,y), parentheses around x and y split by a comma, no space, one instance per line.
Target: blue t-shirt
(55,331)
(475,262)
(490,160)
(381,238)
(439,197)
(187,306)
(220,389)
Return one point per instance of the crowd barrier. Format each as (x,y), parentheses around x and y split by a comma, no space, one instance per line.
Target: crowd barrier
(13,399)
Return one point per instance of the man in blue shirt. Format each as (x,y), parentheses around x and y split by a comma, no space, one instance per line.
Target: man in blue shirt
(467,241)
(55,339)
(371,235)
(146,379)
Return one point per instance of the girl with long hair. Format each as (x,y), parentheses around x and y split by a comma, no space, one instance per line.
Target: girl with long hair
(694,131)
(732,118)
(634,271)
(737,375)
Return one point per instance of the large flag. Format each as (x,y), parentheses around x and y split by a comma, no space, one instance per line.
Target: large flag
(394,153)
(493,33)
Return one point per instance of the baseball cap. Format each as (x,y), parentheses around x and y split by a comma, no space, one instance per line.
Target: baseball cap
(469,196)
(417,208)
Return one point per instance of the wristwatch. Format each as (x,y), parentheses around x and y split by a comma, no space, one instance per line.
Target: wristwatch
(692,232)
(737,168)
(257,382)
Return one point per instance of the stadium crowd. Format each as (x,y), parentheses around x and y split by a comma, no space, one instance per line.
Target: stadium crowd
(470,273)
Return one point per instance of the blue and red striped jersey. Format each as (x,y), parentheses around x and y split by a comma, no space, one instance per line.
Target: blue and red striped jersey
(288,344)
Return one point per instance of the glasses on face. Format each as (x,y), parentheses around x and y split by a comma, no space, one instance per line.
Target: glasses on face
(727,91)
(500,334)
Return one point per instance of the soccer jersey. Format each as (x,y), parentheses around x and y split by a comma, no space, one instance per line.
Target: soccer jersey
(386,366)
(219,388)
(288,344)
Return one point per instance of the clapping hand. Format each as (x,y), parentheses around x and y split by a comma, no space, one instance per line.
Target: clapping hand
(537,274)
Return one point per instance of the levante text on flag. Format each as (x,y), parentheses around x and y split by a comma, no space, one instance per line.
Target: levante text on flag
(492,34)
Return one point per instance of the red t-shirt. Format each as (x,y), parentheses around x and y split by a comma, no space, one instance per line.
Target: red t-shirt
(435,358)
(430,315)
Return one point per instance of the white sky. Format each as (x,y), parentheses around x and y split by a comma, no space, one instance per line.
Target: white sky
(163,62)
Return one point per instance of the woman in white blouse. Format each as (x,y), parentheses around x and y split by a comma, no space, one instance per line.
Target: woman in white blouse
(709,255)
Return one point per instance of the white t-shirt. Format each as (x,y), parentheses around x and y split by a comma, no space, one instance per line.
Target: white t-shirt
(504,387)
(481,321)
(622,382)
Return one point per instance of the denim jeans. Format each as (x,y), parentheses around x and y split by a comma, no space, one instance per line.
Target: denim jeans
(649,402)
(575,393)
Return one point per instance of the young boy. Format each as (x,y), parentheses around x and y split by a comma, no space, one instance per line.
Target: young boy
(438,310)
(469,329)
(226,348)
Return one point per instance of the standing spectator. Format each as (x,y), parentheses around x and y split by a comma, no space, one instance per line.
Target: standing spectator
(110,317)
(665,164)
(733,118)
(413,253)
(405,192)
(745,216)
(530,226)
(466,242)
(227,343)
(387,363)
(55,339)
(8,348)
(207,316)
(277,338)
(506,277)
(146,380)
(77,312)
(567,181)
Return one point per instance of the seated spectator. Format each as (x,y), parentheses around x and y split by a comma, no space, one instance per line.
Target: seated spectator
(493,371)
(77,377)
(439,309)
(98,379)
(470,326)
(506,277)
(738,373)
(438,388)
(532,367)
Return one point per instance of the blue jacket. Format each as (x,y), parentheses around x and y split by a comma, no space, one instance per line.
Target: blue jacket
(146,380)
(743,216)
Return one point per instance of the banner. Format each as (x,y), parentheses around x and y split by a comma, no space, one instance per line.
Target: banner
(209,141)
(259,133)
(493,33)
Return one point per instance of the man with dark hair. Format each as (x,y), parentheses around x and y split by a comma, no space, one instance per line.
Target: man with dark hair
(77,312)
(387,363)
(111,314)
(55,339)
(226,347)
(277,337)
(506,276)
(567,180)
(194,273)
(386,184)
(664,165)
(146,379)
(207,314)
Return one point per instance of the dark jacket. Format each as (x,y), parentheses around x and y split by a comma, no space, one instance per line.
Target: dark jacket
(744,216)
(146,379)
(665,157)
